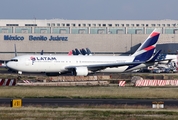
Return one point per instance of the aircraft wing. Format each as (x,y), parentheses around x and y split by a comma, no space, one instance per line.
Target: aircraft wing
(97,67)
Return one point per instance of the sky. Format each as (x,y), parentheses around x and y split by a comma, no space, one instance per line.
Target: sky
(89,9)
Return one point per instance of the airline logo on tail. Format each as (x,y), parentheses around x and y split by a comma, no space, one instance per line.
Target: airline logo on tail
(146,50)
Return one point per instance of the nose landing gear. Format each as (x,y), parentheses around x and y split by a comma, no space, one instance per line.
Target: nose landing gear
(19,75)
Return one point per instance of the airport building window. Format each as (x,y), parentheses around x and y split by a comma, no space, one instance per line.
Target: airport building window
(153,25)
(89,25)
(176,31)
(173,25)
(53,24)
(30,24)
(43,31)
(127,25)
(48,24)
(84,25)
(142,25)
(163,25)
(59,30)
(79,25)
(109,32)
(81,31)
(63,25)
(58,24)
(139,31)
(149,30)
(4,31)
(68,24)
(120,31)
(132,25)
(122,25)
(117,25)
(104,25)
(12,24)
(137,25)
(73,25)
(112,30)
(168,25)
(158,25)
(169,31)
(110,25)
(147,25)
(99,25)
(101,31)
(63,31)
(24,31)
(94,25)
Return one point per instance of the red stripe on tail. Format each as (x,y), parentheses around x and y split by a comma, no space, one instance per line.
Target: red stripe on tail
(154,34)
(149,48)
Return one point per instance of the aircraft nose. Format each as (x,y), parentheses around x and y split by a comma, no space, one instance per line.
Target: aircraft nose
(9,64)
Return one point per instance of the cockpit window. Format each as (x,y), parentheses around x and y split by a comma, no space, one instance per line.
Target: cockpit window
(15,60)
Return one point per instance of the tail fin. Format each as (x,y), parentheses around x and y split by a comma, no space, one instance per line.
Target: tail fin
(77,51)
(146,50)
(41,53)
(73,52)
(83,51)
(70,52)
(88,51)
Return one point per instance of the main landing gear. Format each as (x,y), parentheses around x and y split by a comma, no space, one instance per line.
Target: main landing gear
(19,75)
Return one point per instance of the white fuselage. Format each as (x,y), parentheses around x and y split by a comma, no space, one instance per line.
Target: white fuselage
(54,63)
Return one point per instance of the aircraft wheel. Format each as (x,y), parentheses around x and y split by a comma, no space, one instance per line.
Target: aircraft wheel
(19,77)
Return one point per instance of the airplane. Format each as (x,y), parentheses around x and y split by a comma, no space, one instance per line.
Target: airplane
(166,60)
(81,65)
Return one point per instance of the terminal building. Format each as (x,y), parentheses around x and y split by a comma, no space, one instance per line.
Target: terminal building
(59,36)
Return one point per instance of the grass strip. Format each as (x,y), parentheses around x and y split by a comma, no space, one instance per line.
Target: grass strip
(89,92)
(87,113)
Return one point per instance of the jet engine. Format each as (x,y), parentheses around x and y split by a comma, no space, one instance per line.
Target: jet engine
(80,71)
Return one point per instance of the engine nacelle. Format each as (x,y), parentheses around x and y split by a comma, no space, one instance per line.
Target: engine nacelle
(81,71)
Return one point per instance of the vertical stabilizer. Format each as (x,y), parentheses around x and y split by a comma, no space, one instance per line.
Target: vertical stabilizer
(146,50)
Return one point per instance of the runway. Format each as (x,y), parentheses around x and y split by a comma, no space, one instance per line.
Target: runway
(74,102)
